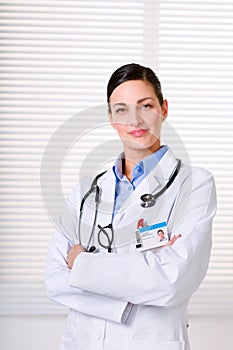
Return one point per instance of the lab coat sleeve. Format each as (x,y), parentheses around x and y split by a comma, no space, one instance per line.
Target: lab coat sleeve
(58,275)
(166,278)
(60,291)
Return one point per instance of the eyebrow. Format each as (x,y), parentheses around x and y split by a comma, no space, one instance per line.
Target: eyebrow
(119,104)
(138,101)
(145,98)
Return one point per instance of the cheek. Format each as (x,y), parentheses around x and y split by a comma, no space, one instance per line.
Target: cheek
(154,124)
(120,128)
(154,121)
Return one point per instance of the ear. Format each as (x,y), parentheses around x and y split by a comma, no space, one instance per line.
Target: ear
(165,109)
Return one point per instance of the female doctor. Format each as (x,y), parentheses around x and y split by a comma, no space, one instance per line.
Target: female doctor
(122,296)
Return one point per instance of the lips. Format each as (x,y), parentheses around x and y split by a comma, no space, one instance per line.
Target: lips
(138,132)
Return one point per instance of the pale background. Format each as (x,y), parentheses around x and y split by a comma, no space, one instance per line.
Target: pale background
(56,57)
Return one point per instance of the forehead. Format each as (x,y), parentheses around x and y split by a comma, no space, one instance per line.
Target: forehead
(132,91)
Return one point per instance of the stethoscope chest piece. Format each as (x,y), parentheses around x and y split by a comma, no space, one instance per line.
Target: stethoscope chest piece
(147,200)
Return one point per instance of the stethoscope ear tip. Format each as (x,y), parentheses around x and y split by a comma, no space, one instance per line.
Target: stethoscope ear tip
(92,249)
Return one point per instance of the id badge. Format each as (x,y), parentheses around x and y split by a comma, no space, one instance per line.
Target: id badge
(150,237)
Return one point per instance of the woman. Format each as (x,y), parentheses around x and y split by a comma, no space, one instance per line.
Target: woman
(132,296)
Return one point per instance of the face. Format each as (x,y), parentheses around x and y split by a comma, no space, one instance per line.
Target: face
(137,115)
(161,235)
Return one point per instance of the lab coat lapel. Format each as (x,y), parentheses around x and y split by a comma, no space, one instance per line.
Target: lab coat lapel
(107,197)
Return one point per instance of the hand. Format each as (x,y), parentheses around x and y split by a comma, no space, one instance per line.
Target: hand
(73,253)
(172,240)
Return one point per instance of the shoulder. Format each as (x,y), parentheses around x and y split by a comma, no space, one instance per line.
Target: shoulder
(196,177)
(195,171)
(85,182)
(186,169)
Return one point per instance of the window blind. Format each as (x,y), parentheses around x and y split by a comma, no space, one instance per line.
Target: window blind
(196,67)
(56,59)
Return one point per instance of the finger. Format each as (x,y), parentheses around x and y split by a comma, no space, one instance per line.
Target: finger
(172,240)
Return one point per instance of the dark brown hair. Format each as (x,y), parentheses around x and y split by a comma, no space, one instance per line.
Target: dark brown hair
(134,71)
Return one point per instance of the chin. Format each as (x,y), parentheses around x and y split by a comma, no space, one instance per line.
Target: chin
(141,145)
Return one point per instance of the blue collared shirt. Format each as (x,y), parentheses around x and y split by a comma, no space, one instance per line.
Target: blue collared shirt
(123,186)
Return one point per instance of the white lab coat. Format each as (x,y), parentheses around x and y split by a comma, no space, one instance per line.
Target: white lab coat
(131,300)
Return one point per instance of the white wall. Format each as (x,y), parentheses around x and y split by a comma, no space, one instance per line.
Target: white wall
(44,332)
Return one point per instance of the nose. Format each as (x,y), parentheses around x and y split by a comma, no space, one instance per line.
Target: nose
(134,116)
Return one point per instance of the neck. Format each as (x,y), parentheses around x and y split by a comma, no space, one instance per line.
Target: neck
(133,157)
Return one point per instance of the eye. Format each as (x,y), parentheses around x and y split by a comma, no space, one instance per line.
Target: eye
(120,110)
(146,106)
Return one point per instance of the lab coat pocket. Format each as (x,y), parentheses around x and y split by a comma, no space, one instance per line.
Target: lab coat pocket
(153,344)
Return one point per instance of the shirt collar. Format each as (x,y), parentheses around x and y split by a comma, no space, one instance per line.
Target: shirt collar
(117,167)
(150,162)
(143,167)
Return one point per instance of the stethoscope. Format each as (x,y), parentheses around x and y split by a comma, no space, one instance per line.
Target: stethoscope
(148,200)
(102,230)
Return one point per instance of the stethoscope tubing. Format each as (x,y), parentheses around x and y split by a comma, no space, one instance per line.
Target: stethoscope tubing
(94,187)
(110,241)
